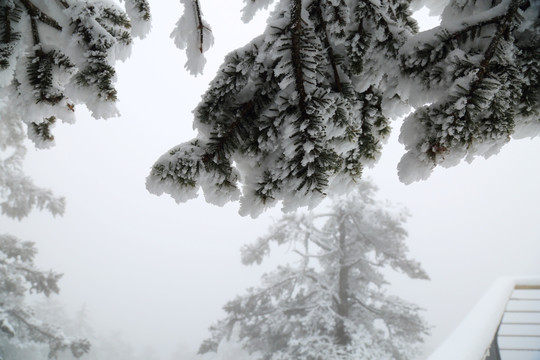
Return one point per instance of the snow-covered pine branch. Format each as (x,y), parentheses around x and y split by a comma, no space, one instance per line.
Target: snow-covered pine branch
(193,34)
(56,54)
(332,303)
(300,110)
(479,72)
(296,111)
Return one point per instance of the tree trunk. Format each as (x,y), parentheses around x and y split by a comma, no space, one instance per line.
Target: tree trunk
(342,338)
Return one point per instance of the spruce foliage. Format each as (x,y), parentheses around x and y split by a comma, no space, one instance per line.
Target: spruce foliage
(478,71)
(330,304)
(303,108)
(56,54)
(289,115)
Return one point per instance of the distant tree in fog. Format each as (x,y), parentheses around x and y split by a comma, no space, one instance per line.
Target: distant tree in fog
(332,303)
(18,324)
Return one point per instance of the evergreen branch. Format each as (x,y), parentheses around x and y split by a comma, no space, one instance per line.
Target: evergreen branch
(365,306)
(30,325)
(362,260)
(57,341)
(296,58)
(35,31)
(371,241)
(328,47)
(9,14)
(200,24)
(35,12)
(321,245)
(64,3)
(7,31)
(502,21)
(309,256)
(502,32)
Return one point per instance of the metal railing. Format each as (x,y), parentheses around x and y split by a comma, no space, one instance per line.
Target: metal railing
(503,325)
(518,336)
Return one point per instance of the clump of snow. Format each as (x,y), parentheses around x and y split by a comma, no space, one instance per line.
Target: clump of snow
(252,7)
(140,27)
(194,35)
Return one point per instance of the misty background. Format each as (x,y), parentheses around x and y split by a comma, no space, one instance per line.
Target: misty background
(157,273)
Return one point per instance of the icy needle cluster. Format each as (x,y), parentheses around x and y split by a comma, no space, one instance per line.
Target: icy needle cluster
(298,110)
(56,54)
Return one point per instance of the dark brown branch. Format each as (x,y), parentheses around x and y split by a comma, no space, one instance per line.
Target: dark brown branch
(64,3)
(329,49)
(35,12)
(296,58)
(7,30)
(200,25)
(35,32)
(502,31)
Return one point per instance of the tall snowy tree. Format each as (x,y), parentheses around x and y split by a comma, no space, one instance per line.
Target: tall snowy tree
(18,278)
(332,303)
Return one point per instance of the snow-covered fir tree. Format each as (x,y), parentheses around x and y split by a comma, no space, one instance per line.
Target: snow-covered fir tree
(18,324)
(332,303)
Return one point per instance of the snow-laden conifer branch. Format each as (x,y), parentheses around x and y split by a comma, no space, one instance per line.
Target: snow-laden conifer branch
(252,6)
(194,35)
(287,116)
(476,88)
(36,14)
(46,78)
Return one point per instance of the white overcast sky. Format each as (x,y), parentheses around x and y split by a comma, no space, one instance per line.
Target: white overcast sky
(159,272)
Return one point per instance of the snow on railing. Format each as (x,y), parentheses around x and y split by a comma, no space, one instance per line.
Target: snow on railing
(472,339)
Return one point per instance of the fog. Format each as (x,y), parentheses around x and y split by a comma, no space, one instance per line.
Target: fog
(158,273)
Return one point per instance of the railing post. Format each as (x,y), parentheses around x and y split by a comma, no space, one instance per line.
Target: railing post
(494,352)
